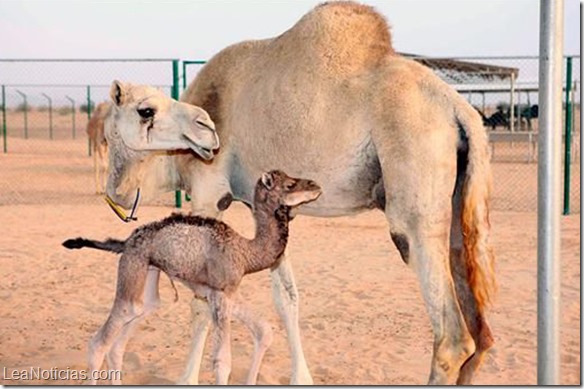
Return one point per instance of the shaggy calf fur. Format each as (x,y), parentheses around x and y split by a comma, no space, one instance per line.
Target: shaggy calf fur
(207,256)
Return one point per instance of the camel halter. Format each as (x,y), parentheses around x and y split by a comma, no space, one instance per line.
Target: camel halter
(120,212)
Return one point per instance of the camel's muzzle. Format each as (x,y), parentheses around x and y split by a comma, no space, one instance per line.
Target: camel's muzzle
(119,211)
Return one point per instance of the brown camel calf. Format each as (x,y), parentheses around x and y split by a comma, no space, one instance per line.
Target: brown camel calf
(207,256)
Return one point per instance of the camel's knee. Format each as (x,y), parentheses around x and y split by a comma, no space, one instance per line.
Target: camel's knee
(472,364)
(452,352)
(263,335)
(125,311)
(484,341)
(200,309)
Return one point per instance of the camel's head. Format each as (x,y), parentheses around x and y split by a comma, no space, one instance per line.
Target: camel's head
(276,188)
(144,122)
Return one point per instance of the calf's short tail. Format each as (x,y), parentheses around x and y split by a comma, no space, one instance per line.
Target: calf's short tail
(113,245)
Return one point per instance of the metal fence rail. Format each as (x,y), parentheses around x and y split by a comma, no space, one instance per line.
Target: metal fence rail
(46,104)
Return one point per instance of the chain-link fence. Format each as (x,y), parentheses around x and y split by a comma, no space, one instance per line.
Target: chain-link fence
(504,90)
(47,105)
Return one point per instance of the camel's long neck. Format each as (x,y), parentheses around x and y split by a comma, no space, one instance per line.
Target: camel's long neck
(270,239)
(166,172)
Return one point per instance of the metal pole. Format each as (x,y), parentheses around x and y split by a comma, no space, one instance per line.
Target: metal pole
(25,113)
(50,114)
(72,115)
(528,104)
(483,96)
(88,117)
(175,94)
(184,75)
(573,100)
(549,191)
(512,104)
(4,118)
(568,137)
(518,113)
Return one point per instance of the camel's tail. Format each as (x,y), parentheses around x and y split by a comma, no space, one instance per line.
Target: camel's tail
(475,223)
(113,245)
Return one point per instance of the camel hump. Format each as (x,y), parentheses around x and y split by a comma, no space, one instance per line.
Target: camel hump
(344,36)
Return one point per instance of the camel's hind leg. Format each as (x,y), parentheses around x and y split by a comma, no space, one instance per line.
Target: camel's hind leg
(128,306)
(419,179)
(262,337)
(427,254)
(115,356)
(201,322)
(475,319)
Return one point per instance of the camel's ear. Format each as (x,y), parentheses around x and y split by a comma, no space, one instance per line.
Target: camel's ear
(297,198)
(268,181)
(118,92)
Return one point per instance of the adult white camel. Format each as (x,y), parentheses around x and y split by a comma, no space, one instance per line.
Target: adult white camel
(330,100)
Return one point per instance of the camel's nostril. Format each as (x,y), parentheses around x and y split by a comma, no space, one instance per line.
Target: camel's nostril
(207,124)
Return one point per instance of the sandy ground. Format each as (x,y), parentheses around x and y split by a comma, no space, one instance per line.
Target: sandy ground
(362,316)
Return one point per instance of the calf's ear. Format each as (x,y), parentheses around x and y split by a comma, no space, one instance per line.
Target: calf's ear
(268,181)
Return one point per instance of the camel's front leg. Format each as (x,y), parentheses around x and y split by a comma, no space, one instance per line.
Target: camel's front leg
(286,299)
(201,321)
(206,191)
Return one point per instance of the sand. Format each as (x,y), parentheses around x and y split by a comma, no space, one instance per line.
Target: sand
(362,316)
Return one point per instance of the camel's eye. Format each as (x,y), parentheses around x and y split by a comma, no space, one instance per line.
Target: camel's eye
(146,113)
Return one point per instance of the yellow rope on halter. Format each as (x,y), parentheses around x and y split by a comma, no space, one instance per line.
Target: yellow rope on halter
(120,212)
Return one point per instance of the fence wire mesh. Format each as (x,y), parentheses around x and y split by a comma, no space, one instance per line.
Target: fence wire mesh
(47,104)
(505,92)
(46,112)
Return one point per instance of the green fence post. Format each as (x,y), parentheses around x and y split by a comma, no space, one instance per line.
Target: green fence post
(25,106)
(88,117)
(4,118)
(72,115)
(568,137)
(184,75)
(175,94)
(50,114)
